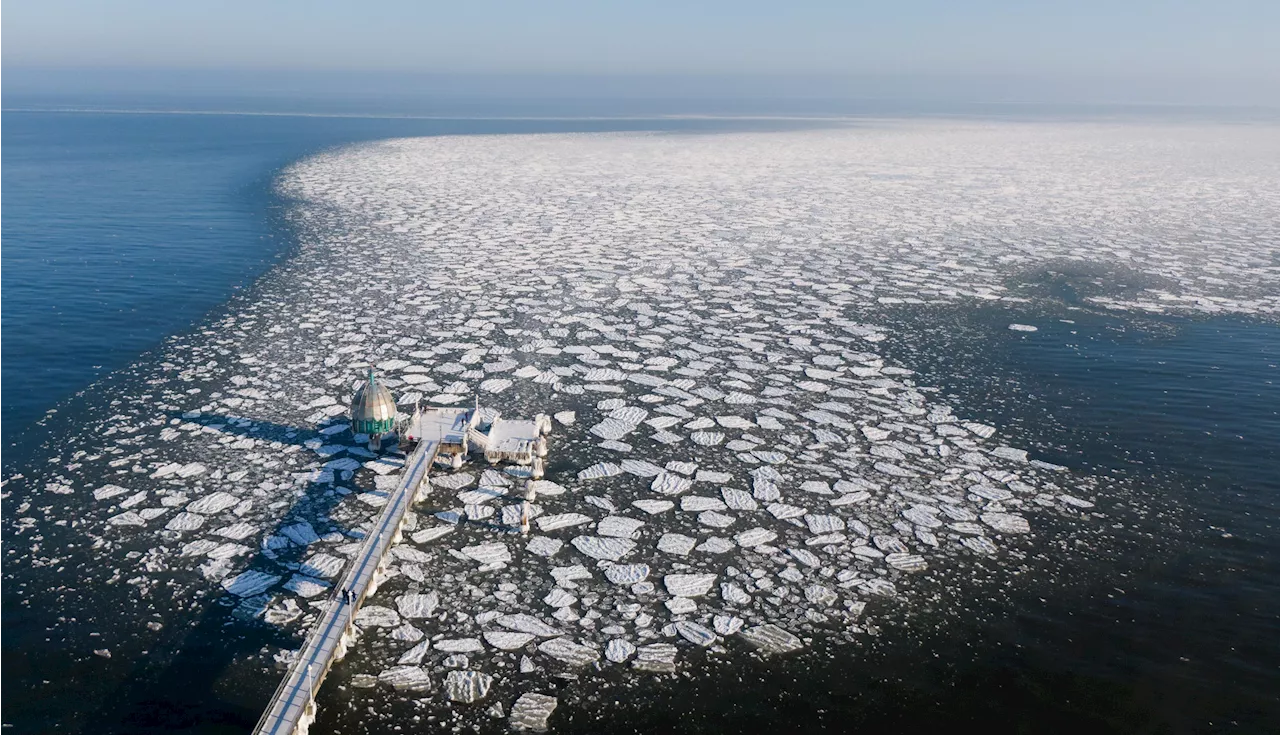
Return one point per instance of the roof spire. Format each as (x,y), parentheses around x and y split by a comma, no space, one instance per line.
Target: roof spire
(373,409)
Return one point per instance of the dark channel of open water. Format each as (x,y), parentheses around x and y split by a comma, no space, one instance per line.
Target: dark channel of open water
(121,229)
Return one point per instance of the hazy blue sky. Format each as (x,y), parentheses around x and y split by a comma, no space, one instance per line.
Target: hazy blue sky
(1210,43)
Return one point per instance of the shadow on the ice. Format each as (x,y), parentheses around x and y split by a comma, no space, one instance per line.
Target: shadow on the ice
(210,676)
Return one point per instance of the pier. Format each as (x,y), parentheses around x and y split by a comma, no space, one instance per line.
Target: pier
(293,708)
(444,434)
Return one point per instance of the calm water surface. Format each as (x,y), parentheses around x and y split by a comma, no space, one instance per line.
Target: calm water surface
(122,229)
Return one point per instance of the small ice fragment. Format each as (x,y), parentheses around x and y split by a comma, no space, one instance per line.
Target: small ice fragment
(1074,501)
(889,544)
(467,686)
(669,483)
(627,573)
(488,553)
(619,527)
(981,430)
(427,535)
(714,477)
(406,632)
(782,511)
(531,712)
(695,634)
(185,521)
(569,652)
(559,597)
(905,562)
(305,586)
(544,546)
(808,558)
(565,576)
(733,594)
(249,583)
(715,520)
(816,486)
(602,469)
(921,517)
(506,640)
(882,587)
(675,543)
(979,544)
(688,585)
(653,506)
(1006,522)
(546,487)
(820,595)
(684,468)
(681,605)
(640,468)
(956,513)
(727,624)
(321,564)
(754,537)
(597,547)
(562,520)
(406,678)
(819,524)
(414,655)
(377,616)
(619,650)
(417,605)
(699,503)
(770,639)
(868,552)
(657,657)
(527,624)
(108,491)
(738,499)
(459,645)
(1017,455)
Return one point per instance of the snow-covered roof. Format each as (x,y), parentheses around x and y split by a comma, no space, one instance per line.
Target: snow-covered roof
(449,425)
(512,435)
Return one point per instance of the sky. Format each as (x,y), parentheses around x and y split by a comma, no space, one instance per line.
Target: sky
(1226,48)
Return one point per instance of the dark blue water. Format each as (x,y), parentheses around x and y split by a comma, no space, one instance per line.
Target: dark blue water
(1178,629)
(120,229)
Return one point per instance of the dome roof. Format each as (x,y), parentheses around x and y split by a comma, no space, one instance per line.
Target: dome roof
(373,410)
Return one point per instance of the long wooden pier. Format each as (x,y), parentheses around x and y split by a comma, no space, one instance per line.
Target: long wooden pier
(293,706)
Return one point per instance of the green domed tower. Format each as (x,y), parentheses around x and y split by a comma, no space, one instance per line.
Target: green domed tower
(373,411)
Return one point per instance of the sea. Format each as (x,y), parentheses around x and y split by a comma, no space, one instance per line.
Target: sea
(129,220)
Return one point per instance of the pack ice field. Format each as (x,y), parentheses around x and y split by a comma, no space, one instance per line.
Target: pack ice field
(723,458)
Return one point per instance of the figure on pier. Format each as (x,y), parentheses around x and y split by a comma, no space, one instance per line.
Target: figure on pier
(373,411)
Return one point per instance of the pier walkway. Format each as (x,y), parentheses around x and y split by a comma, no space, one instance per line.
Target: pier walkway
(292,708)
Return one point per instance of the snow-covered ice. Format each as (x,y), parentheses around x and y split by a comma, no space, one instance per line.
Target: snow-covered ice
(735,458)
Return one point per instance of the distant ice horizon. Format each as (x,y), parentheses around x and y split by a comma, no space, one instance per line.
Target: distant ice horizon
(817,93)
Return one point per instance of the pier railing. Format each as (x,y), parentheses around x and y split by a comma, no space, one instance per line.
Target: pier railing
(292,707)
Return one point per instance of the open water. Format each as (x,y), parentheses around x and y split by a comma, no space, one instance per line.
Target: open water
(122,229)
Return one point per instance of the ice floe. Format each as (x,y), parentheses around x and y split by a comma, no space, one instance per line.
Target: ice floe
(735,458)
